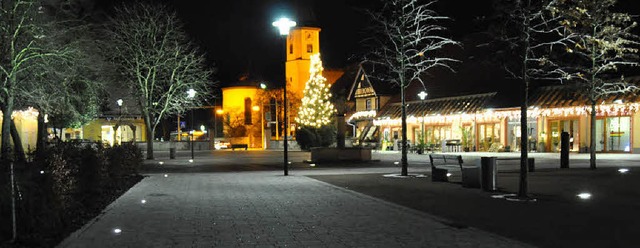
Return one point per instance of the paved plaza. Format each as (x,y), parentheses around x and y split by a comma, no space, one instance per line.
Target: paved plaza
(210,208)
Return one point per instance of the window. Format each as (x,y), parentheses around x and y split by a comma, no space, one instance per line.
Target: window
(368,104)
(247,111)
(309,48)
(290,48)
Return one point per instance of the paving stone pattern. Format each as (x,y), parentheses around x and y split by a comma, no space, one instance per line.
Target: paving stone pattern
(265,209)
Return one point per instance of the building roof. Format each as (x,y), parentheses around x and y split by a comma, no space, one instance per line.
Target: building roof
(441,106)
(565,96)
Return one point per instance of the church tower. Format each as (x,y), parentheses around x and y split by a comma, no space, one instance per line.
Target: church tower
(302,42)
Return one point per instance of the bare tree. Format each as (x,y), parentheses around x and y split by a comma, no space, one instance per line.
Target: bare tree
(157,62)
(23,34)
(527,31)
(602,42)
(407,39)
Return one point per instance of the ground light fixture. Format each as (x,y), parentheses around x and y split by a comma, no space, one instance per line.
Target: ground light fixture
(190,160)
(449,174)
(117,230)
(396,163)
(143,201)
(584,196)
(312,165)
(166,175)
(41,172)
(161,162)
(623,170)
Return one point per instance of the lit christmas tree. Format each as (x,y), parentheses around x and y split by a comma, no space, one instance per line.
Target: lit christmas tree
(316,109)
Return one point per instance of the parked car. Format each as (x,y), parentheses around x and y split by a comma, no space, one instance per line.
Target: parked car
(221,144)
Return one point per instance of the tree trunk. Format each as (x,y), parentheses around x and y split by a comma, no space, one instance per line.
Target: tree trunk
(524,143)
(592,137)
(42,133)
(6,150)
(404,162)
(17,143)
(149,142)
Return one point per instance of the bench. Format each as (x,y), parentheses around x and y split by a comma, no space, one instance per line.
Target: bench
(470,174)
(239,146)
(439,160)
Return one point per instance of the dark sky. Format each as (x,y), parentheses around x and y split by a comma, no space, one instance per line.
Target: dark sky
(238,37)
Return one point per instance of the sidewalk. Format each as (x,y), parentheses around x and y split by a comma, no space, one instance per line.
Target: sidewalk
(264,209)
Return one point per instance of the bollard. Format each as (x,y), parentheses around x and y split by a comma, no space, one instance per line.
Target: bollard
(172,153)
(531,163)
(488,173)
(564,150)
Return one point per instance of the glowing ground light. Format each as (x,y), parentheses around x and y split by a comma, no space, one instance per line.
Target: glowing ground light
(289,162)
(190,160)
(166,175)
(312,165)
(623,170)
(143,201)
(396,163)
(449,174)
(161,162)
(42,172)
(584,196)
(117,230)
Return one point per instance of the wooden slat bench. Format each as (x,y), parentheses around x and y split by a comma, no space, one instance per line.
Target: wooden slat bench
(440,165)
(439,160)
(239,146)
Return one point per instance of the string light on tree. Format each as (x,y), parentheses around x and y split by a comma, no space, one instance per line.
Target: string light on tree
(316,110)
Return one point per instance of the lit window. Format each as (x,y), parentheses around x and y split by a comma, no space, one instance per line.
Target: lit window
(247,111)
(309,48)
(291,49)
(368,104)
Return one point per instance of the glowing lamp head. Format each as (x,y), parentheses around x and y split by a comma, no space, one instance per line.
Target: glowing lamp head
(284,25)
(312,165)
(219,111)
(584,196)
(119,102)
(190,160)
(263,86)
(117,230)
(255,108)
(143,201)
(623,170)
(422,95)
(191,93)
(166,175)
(161,162)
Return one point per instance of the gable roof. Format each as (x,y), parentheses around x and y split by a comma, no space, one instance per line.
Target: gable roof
(441,106)
(362,76)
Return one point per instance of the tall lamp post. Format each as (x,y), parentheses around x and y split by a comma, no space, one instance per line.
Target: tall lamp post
(284,25)
(119,102)
(422,96)
(191,93)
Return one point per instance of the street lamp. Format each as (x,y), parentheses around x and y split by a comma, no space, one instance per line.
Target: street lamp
(191,93)
(115,135)
(422,96)
(284,25)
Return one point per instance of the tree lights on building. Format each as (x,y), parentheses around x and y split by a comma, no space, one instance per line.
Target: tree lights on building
(316,109)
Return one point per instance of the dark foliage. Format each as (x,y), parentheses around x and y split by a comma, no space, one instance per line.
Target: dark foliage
(65,185)
(309,137)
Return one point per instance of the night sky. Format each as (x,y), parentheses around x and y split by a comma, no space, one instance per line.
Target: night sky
(238,38)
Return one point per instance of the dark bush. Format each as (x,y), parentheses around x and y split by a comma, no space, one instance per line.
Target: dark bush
(306,138)
(64,186)
(326,136)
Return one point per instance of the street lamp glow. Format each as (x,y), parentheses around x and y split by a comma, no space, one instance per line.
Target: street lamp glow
(161,162)
(219,111)
(166,175)
(190,160)
(117,230)
(623,170)
(422,95)
(255,108)
(191,93)
(284,25)
(119,102)
(41,172)
(143,201)
(263,86)
(584,196)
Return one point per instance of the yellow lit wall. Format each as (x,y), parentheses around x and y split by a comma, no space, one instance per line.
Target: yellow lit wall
(27,126)
(233,98)
(635,132)
(94,130)
(302,42)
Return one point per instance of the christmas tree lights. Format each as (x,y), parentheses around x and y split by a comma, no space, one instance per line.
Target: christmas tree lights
(316,109)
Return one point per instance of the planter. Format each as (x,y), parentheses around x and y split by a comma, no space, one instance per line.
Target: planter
(328,154)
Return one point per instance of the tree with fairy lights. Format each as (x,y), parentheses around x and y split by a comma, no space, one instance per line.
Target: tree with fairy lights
(316,110)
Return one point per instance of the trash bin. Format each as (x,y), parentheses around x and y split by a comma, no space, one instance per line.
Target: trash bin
(488,173)
(172,153)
